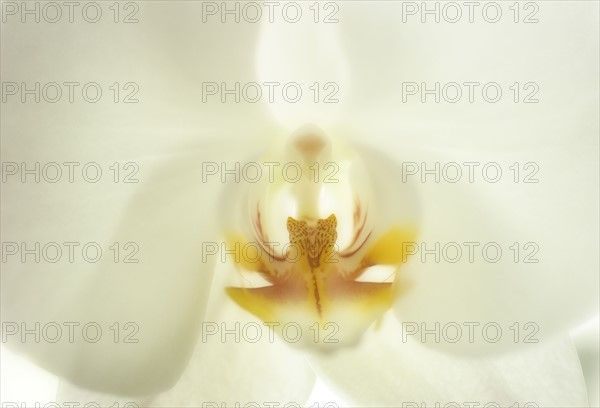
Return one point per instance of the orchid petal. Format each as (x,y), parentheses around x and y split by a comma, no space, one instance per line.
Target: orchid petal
(454,277)
(557,136)
(386,372)
(558,55)
(153,298)
(164,215)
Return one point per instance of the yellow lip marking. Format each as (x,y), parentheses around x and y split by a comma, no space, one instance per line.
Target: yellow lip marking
(321,275)
(317,243)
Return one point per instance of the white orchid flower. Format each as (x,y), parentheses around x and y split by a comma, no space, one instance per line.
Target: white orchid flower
(364,269)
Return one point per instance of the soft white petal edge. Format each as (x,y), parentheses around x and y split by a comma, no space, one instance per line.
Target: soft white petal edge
(384,371)
(230,366)
(587,341)
(156,301)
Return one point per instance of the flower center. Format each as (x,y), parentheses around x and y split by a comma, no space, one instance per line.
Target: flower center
(316,242)
(312,280)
